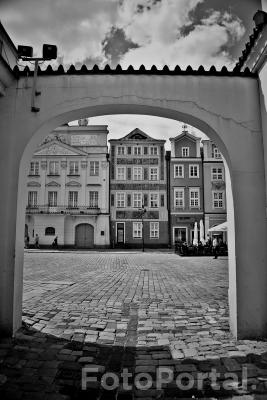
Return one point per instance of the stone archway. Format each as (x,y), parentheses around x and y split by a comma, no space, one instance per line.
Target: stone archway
(204,102)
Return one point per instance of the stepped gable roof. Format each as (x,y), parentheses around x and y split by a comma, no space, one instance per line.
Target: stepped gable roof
(107,70)
(138,134)
(260,20)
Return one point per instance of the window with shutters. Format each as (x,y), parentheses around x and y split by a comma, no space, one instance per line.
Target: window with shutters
(137,173)
(154,200)
(121,176)
(32,199)
(93,199)
(154,174)
(94,168)
(137,229)
(52,199)
(120,199)
(73,199)
(137,200)
(154,230)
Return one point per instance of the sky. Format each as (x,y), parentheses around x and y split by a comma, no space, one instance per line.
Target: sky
(172,32)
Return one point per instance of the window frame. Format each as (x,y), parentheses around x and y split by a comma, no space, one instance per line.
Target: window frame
(215,175)
(93,203)
(152,152)
(54,195)
(138,200)
(118,205)
(75,198)
(120,147)
(137,153)
(34,171)
(151,201)
(222,200)
(94,171)
(153,231)
(151,175)
(123,169)
(179,190)
(189,172)
(74,171)
(194,190)
(185,150)
(139,229)
(134,175)
(55,170)
(174,170)
(34,194)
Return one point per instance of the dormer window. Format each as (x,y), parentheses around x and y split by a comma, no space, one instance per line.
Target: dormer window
(185,151)
(215,152)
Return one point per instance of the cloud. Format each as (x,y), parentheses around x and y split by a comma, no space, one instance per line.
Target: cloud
(161,35)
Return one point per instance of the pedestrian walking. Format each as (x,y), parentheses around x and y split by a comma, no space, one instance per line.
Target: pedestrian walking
(55,244)
(36,241)
(215,247)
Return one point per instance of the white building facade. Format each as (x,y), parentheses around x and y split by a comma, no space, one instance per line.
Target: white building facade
(68,189)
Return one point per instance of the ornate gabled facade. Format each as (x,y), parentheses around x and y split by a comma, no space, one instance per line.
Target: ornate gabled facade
(68,188)
(138,191)
(186,186)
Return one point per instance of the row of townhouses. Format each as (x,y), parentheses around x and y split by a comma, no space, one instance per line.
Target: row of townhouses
(135,194)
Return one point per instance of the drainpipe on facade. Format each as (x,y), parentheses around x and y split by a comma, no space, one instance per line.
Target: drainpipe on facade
(168,159)
(107,157)
(203,189)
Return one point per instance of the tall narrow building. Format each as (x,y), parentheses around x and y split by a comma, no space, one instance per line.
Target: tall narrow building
(138,196)
(186,186)
(214,187)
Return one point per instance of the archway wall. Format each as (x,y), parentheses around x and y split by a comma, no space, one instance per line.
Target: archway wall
(225,108)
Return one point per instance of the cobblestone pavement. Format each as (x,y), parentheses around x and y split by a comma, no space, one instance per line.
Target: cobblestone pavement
(112,311)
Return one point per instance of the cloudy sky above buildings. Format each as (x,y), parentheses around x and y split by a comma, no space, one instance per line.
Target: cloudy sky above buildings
(183,32)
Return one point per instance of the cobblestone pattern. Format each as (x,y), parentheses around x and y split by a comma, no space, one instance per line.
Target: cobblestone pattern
(115,311)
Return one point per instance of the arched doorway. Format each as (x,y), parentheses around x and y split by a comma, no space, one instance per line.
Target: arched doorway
(191,99)
(84,236)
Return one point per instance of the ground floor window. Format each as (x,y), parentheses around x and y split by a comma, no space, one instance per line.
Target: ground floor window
(137,229)
(154,230)
(50,231)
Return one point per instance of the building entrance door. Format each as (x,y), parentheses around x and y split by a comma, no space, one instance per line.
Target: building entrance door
(84,236)
(120,233)
(179,234)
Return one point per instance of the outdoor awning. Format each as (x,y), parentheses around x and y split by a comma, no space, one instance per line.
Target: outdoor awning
(219,228)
